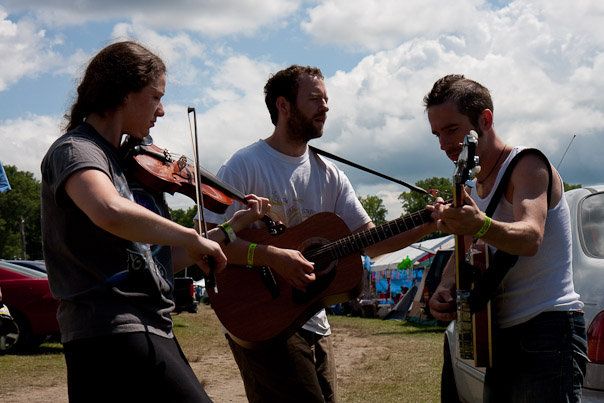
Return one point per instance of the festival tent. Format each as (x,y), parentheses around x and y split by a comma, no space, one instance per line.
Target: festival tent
(416,252)
(434,245)
(392,274)
(392,259)
(4,184)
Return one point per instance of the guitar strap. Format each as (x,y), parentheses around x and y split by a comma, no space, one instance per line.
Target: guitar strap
(501,262)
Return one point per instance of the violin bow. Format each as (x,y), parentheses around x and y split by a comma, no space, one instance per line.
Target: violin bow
(203,228)
(371,171)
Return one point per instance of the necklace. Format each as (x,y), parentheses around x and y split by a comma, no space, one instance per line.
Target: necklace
(494,165)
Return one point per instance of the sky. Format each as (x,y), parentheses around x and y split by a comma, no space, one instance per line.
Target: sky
(542,60)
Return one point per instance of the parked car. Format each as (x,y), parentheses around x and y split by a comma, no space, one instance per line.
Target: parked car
(39,265)
(9,332)
(184,295)
(587,221)
(26,293)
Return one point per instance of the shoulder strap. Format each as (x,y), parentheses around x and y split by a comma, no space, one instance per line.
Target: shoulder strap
(508,172)
(502,262)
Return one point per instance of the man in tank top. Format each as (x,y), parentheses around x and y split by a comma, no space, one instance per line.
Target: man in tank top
(540,347)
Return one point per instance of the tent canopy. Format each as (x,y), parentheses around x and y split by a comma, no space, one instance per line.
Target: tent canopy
(415,251)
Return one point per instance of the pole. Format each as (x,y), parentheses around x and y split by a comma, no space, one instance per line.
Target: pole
(23,241)
(565,151)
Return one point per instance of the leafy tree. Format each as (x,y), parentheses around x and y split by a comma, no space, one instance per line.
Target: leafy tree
(20,216)
(184,217)
(374,206)
(414,201)
(570,186)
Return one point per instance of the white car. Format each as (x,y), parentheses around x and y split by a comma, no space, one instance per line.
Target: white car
(587,221)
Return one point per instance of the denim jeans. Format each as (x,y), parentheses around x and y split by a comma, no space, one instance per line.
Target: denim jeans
(541,360)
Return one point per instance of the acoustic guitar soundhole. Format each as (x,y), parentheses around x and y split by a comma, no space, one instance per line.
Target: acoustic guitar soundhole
(324,271)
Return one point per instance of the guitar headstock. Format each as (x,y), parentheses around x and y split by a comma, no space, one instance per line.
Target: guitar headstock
(467,166)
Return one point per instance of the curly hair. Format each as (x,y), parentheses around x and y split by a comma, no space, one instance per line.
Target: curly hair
(117,70)
(284,83)
(470,97)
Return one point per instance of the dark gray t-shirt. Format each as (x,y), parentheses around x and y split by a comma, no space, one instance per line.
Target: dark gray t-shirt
(106,284)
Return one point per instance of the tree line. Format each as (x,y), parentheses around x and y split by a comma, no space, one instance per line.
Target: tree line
(20,229)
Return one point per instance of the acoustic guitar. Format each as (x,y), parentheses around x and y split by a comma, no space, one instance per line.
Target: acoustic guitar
(256,305)
(473,327)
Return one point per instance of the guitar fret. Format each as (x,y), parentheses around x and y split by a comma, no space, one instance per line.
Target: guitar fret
(358,241)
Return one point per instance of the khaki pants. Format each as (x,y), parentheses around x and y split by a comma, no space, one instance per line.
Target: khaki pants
(299,369)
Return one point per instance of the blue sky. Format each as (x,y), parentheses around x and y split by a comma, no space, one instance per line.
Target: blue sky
(542,60)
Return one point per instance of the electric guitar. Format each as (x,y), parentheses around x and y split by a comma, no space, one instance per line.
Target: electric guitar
(256,305)
(474,328)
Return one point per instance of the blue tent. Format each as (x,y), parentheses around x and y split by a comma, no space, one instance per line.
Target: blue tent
(4,185)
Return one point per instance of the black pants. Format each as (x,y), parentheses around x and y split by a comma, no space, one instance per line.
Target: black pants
(130,367)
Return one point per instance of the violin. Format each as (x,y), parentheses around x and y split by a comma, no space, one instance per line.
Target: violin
(156,169)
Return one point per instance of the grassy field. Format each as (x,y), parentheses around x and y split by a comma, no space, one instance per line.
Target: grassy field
(378,361)
(402,363)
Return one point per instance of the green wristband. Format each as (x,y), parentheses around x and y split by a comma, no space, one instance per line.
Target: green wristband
(228,232)
(250,254)
(486,224)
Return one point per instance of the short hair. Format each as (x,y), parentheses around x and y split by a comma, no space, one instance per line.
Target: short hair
(284,83)
(116,71)
(470,97)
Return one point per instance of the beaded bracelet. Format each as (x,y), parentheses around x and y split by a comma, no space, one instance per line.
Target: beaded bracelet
(250,254)
(228,232)
(486,224)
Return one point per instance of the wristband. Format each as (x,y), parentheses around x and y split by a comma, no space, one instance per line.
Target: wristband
(250,254)
(228,232)
(486,224)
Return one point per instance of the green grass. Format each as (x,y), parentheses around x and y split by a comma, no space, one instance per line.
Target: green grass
(378,361)
(404,368)
(43,367)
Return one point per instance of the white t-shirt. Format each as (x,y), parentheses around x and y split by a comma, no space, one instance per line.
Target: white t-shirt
(297,187)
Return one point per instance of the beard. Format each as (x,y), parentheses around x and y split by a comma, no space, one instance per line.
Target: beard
(301,128)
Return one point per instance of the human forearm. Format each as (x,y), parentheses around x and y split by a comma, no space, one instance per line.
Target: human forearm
(400,241)
(519,238)
(93,192)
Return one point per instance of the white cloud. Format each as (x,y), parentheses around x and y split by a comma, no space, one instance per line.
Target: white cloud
(25,50)
(232,114)
(377,115)
(236,115)
(181,53)
(26,140)
(389,193)
(382,24)
(210,17)
(542,60)
(545,26)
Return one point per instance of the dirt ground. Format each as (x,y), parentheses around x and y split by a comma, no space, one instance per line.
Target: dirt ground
(223,382)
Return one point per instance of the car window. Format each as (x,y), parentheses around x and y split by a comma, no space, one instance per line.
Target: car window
(591,212)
